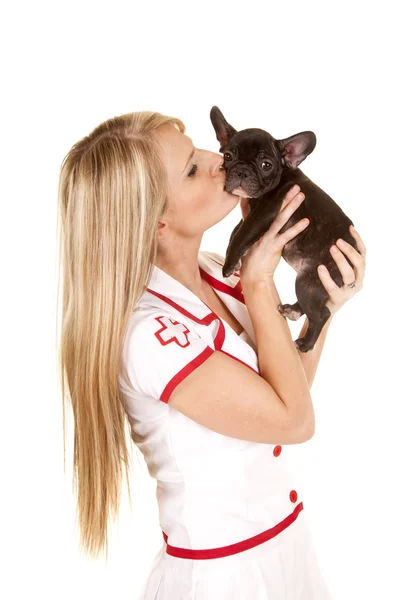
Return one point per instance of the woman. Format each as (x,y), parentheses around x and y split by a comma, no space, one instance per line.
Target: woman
(202,368)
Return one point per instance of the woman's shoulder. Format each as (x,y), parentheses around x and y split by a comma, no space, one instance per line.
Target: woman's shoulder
(212,256)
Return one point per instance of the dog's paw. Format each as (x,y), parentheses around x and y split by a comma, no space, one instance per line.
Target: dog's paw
(302,345)
(289,312)
(228,269)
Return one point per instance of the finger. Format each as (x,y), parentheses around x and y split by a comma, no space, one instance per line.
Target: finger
(290,233)
(350,251)
(345,269)
(327,281)
(360,243)
(356,258)
(283,216)
(292,193)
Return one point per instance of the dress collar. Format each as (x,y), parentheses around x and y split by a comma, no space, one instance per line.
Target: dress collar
(163,289)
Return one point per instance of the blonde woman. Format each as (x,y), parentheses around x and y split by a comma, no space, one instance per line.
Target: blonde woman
(202,370)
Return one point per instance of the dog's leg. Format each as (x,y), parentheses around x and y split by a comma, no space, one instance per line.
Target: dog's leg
(312,297)
(291,311)
(245,234)
(307,342)
(252,228)
(232,235)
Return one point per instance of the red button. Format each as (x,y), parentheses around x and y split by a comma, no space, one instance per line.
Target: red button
(293,495)
(277,450)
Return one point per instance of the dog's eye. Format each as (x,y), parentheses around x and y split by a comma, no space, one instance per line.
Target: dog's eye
(227,156)
(267,164)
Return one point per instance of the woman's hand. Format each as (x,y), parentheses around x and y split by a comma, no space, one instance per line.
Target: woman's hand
(339,295)
(261,259)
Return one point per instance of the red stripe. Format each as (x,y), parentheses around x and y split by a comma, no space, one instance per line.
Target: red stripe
(219,338)
(196,362)
(235,292)
(204,321)
(234,548)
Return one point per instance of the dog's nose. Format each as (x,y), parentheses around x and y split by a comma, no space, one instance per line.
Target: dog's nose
(242,172)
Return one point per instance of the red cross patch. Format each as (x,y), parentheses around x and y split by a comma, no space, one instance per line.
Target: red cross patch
(172,331)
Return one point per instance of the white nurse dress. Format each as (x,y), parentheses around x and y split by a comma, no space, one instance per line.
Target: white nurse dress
(231,516)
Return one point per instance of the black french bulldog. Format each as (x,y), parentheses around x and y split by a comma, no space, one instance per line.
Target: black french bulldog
(263,169)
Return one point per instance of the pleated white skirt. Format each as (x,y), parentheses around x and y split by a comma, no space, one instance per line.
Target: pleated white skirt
(282,568)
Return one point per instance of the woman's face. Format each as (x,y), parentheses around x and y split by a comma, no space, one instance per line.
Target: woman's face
(196,199)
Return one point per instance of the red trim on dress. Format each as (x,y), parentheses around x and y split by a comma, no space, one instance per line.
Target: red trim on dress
(187,369)
(233,548)
(204,321)
(236,292)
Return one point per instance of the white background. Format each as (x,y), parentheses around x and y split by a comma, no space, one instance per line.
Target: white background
(282,66)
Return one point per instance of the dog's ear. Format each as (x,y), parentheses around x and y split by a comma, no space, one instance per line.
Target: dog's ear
(222,128)
(296,148)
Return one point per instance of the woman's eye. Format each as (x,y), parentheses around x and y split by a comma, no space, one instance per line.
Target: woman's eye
(192,171)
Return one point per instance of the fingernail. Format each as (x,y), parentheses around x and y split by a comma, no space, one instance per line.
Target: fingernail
(295,189)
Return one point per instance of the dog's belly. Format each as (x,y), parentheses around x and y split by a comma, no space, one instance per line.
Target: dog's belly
(295,259)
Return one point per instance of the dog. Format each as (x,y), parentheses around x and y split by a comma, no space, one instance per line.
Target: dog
(263,169)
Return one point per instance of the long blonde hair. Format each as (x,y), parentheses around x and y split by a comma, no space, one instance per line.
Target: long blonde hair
(112,193)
